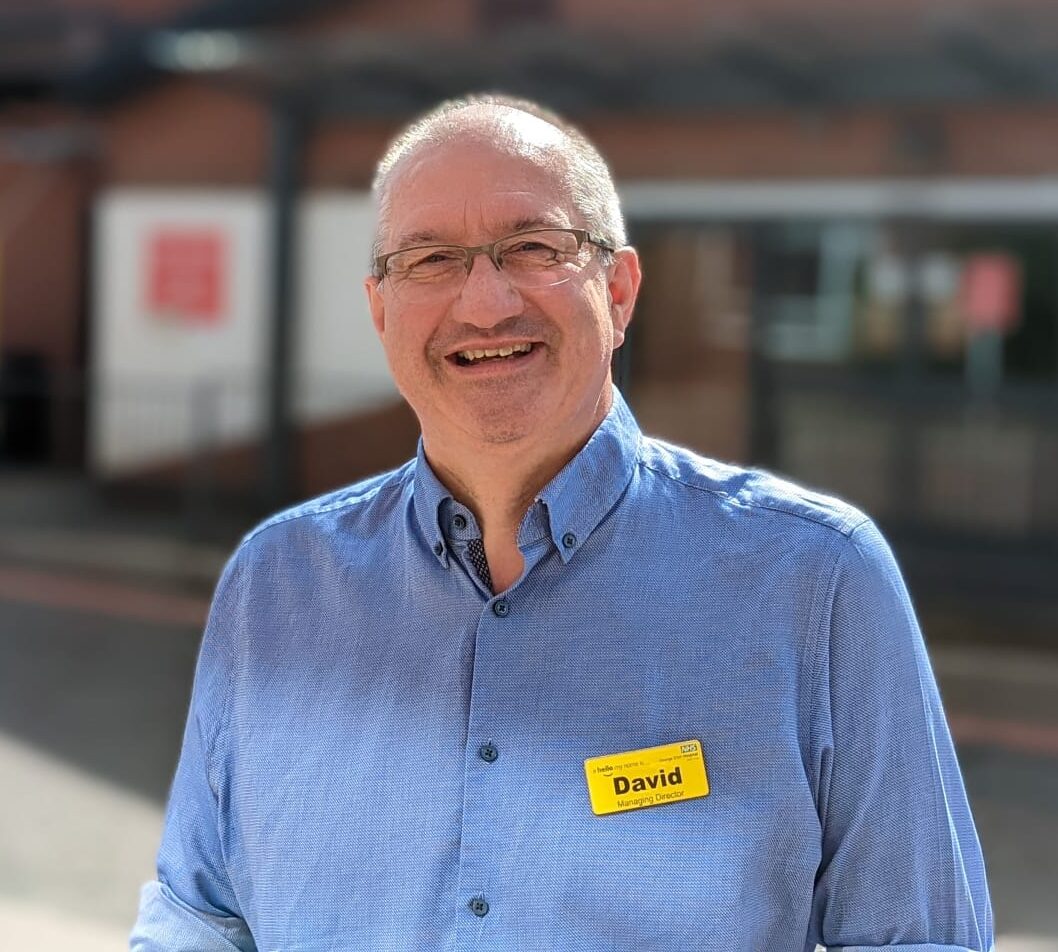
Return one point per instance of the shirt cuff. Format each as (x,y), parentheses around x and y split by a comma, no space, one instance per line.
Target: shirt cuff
(917,947)
(167,924)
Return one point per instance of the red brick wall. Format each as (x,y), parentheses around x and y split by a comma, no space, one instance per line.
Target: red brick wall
(327,455)
(41,247)
(185,132)
(969,141)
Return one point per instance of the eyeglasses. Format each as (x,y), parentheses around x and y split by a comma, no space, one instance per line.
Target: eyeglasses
(540,258)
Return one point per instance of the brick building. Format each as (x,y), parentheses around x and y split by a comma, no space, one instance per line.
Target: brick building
(846,217)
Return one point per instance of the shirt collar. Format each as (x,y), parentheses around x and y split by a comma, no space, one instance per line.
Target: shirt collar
(429,494)
(570,507)
(588,487)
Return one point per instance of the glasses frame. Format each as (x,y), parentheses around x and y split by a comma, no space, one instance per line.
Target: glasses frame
(583,236)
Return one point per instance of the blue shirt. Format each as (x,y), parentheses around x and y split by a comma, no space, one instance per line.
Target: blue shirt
(383,755)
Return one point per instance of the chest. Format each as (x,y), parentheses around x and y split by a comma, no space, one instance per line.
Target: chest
(406,770)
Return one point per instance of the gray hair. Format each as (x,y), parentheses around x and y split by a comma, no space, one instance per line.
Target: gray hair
(586,173)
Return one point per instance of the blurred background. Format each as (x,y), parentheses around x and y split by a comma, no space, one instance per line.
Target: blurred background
(848,216)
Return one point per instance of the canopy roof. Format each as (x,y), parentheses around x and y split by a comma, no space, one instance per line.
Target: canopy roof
(96,58)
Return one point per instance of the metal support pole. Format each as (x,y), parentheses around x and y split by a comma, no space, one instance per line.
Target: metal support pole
(764,448)
(288,136)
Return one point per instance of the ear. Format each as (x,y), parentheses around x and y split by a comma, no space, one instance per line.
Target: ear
(377,303)
(623,288)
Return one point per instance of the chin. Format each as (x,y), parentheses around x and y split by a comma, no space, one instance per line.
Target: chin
(502,429)
(502,434)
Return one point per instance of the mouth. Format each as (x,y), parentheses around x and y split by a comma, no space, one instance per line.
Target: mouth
(476,356)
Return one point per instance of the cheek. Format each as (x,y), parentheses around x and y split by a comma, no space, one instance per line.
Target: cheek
(398,348)
(410,349)
(596,318)
(402,329)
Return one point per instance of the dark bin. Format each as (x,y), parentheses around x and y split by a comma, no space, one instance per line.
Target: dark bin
(25,408)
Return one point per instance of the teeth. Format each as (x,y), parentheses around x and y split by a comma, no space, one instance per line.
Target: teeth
(500,352)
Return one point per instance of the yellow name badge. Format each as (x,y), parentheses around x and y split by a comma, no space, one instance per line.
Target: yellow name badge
(646,778)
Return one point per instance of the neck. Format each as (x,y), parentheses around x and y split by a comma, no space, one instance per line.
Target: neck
(499,486)
(499,482)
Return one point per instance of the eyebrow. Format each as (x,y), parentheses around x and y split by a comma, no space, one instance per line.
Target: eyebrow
(412,239)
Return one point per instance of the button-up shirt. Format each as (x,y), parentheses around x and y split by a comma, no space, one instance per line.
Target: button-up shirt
(382,754)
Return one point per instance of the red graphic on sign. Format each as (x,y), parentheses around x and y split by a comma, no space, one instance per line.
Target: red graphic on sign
(991,292)
(187,273)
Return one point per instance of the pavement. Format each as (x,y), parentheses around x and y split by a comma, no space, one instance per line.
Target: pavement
(67,523)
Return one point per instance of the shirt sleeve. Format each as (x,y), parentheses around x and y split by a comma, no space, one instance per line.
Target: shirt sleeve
(192,906)
(901,864)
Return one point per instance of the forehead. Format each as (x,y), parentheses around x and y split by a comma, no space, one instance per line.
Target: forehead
(470,190)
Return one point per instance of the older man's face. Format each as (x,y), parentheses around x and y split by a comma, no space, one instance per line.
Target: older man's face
(556,382)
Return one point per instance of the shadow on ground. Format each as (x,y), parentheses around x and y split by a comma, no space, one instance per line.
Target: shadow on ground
(107,694)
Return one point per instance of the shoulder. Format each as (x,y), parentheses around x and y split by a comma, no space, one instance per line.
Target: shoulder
(753,494)
(361,510)
(755,517)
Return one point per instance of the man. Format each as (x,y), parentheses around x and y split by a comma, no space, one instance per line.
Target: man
(554,685)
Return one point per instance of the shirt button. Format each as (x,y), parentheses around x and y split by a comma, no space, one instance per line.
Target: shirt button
(479,907)
(569,540)
(501,609)
(459,521)
(489,752)
(439,549)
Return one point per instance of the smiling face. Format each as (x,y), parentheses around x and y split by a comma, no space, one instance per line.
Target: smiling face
(549,381)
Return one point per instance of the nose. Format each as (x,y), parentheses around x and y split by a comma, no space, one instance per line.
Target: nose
(488,296)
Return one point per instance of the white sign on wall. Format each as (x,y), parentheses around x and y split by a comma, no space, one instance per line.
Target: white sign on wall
(181,316)
(341,364)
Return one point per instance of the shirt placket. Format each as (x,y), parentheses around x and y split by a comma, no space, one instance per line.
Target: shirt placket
(488,778)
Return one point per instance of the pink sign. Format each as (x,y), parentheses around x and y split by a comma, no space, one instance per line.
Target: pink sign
(186,273)
(991,292)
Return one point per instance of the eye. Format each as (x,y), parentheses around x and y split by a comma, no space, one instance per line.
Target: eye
(530,244)
(531,252)
(435,256)
(431,261)
(539,249)
(533,246)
